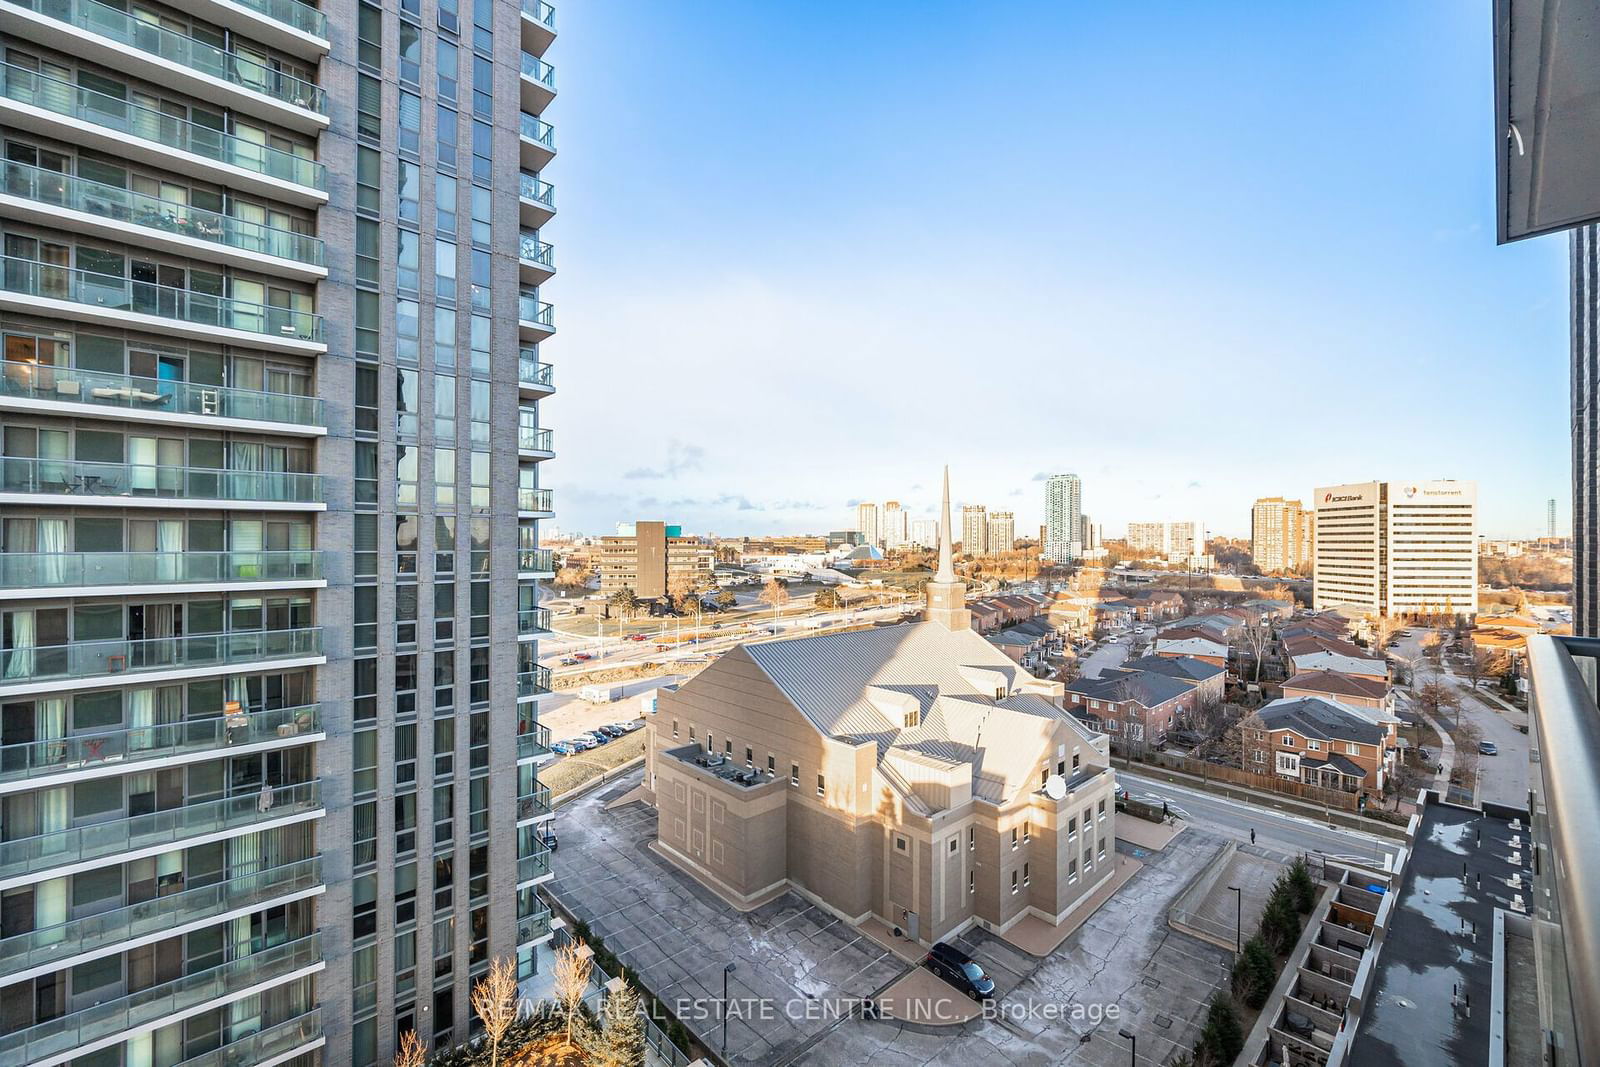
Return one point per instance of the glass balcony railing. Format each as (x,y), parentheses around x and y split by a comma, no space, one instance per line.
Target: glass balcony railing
(68,385)
(539,131)
(155,829)
(533,683)
(540,71)
(96,659)
(531,867)
(540,12)
(267,1045)
(533,927)
(32,278)
(533,621)
(535,805)
(532,250)
(47,946)
(531,309)
(531,372)
(124,205)
(78,752)
(70,570)
(534,439)
(536,559)
(533,740)
(24,86)
(76,477)
(531,187)
(61,1035)
(291,13)
(535,500)
(181,49)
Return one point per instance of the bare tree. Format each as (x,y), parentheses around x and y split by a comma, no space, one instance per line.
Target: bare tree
(1256,636)
(494,1001)
(1436,698)
(410,1052)
(1483,662)
(1384,628)
(571,972)
(776,594)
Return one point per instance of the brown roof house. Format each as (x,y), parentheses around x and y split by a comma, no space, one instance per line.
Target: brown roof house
(913,773)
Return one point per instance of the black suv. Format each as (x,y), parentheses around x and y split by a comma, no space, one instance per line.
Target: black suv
(957,968)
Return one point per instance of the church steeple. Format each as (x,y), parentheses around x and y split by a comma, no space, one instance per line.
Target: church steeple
(947,596)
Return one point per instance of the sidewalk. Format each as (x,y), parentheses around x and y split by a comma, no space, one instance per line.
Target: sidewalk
(1447,751)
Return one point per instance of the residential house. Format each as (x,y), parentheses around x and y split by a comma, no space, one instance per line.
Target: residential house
(1201,648)
(1360,666)
(1209,679)
(1319,742)
(1133,706)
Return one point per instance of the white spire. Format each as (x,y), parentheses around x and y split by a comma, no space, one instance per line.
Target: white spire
(947,572)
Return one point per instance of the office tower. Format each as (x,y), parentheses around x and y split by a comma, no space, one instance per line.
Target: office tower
(894,528)
(652,558)
(1280,534)
(974,529)
(268,634)
(925,533)
(1397,548)
(1063,517)
(867,523)
(1002,531)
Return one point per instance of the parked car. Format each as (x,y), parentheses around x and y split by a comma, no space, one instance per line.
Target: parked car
(565,748)
(1425,755)
(1488,748)
(568,661)
(550,841)
(582,743)
(609,732)
(635,637)
(629,727)
(958,968)
(582,656)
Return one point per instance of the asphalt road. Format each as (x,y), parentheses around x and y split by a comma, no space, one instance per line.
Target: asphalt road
(1276,831)
(1108,655)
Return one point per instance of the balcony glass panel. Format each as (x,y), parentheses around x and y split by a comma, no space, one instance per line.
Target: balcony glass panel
(530,438)
(531,372)
(535,805)
(533,621)
(181,49)
(34,381)
(540,12)
(534,866)
(63,1034)
(537,130)
(531,309)
(533,683)
(263,1045)
(70,570)
(41,948)
(23,86)
(125,205)
(155,829)
(96,659)
(533,927)
(32,278)
(537,69)
(73,477)
(536,559)
(540,192)
(291,13)
(532,250)
(533,740)
(77,752)
(534,500)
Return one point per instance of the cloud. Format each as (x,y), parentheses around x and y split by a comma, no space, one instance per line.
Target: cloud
(1042,476)
(1194,485)
(681,458)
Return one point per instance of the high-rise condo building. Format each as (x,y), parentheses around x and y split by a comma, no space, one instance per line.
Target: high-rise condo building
(1088,536)
(896,533)
(1002,532)
(867,523)
(1397,548)
(269,508)
(1063,517)
(925,533)
(974,529)
(1280,537)
(1179,540)
(1148,537)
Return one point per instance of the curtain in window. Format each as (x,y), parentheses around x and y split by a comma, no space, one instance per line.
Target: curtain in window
(19,656)
(49,910)
(245,856)
(55,813)
(169,543)
(246,537)
(143,460)
(141,719)
(52,542)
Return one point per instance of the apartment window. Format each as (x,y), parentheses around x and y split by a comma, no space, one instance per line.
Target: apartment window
(972,839)
(1027,831)
(1352,749)
(794,774)
(1025,878)
(972,881)
(1100,853)
(1102,811)
(899,843)
(1013,837)
(691,731)
(674,727)
(821,786)
(727,747)
(1288,740)
(1014,881)
(772,766)
(1088,860)
(1072,871)
(955,843)
(711,741)
(1314,745)
(749,758)
(1072,828)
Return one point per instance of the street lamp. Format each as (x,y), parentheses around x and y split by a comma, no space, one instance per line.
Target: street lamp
(1133,1046)
(1238,920)
(729,969)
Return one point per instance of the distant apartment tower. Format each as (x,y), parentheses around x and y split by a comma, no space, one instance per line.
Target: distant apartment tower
(895,529)
(1063,518)
(925,533)
(974,529)
(1002,532)
(651,557)
(1147,538)
(1279,534)
(1088,536)
(1397,548)
(867,523)
(1186,539)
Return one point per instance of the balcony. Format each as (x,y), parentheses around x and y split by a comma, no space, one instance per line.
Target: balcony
(532,929)
(114,751)
(538,84)
(33,858)
(78,1032)
(533,683)
(534,377)
(51,198)
(533,740)
(531,622)
(538,26)
(536,259)
(34,387)
(93,935)
(534,442)
(535,502)
(87,482)
(534,806)
(40,574)
(536,561)
(115,37)
(530,870)
(275,1044)
(32,287)
(538,142)
(47,105)
(534,316)
(59,666)
(537,200)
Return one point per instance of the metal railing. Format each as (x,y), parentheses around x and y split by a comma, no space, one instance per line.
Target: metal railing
(66,570)
(263,1045)
(532,187)
(533,621)
(535,866)
(32,278)
(70,1031)
(531,309)
(540,71)
(536,559)
(534,927)
(24,86)
(181,49)
(531,438)
(76,752)
(535,500)
(532,250)
(531,372)
(533,740)
(540,12)
(291,13)
(96,659)
(43,947)
(539,131)
(533,683)
(32,855)
(535,805)
(34,381)
(125,205)
(78,477)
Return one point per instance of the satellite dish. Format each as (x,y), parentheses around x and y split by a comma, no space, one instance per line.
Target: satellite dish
(1055,787)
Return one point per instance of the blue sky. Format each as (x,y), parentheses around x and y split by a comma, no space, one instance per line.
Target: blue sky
(1195,253)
